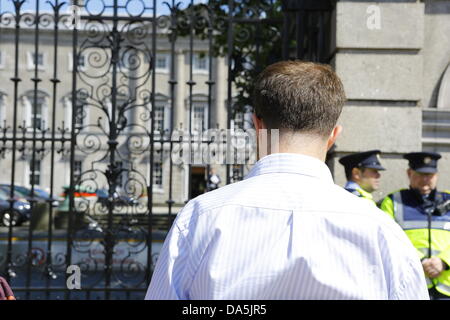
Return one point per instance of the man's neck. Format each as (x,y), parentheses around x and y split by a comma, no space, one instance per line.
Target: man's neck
(300,143)
(424,196)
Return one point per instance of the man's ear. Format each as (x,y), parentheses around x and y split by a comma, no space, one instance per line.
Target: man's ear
(356,174)
(409,172)
(258,122)
(333,136)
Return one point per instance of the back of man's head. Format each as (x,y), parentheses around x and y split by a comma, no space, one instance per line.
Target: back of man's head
(299,96)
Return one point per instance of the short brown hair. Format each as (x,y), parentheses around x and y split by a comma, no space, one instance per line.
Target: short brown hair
(300,96)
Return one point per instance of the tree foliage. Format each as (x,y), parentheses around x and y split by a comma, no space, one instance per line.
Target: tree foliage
(247,33)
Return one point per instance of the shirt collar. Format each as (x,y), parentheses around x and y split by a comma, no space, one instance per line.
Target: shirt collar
(421,198)
(355,186)
(291,163)
(352,185)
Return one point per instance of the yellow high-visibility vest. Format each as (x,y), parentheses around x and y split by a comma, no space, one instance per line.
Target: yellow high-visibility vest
(400,206)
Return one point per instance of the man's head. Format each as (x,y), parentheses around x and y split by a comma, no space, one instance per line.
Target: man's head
(299,98)
(363,168)
(422,171)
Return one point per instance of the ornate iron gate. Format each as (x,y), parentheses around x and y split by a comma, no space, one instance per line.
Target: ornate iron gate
(94,99)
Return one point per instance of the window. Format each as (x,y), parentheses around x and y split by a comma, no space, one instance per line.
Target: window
(80,115)
(37,114)
(161,114)
(77,170)
(199,117)
(39,58)
(35,59)
(35,176)
(81,112)
(158,170)
(81,61)
(201,62)
(159,118)
(198,113)
(162,62)
(36,109)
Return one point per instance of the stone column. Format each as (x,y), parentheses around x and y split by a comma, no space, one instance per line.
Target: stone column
(180,94)
(221,78)
(221,113)
(378,57)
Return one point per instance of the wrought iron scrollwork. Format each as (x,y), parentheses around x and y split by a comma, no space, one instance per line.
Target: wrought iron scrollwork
(105,118)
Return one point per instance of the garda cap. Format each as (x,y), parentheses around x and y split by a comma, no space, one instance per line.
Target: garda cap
(423,162)
(368,159)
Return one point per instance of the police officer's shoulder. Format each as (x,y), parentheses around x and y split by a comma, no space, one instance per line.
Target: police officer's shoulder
(445,194)
(391,195)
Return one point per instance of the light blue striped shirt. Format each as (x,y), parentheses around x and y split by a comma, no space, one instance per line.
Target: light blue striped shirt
(351,185)
(286,232)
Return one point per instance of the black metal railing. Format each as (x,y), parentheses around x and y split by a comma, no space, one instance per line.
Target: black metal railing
(91,96)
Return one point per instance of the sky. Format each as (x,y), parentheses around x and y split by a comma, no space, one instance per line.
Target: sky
(134,7)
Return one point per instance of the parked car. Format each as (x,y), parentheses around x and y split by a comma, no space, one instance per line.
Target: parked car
(40,195)
(83,198)
(21,211)
(100,196)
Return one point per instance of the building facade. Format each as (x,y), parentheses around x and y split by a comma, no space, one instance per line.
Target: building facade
(185,101)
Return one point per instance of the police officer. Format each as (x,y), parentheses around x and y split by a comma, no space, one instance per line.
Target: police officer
(213,180)
(424,214)
(362,172)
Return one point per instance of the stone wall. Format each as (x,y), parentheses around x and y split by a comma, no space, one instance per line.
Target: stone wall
(390,56)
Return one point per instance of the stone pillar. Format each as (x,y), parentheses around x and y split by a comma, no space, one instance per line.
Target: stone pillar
(180,95)
(378,56)
(221,93)
(221,78)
